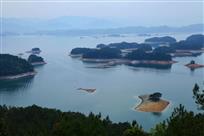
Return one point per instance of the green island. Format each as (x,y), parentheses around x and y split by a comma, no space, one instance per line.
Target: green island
(36,60)
(13,67)
(35,50)
(143,54)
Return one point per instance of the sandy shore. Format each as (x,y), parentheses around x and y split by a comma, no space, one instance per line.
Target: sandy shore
(38,63)
(194,66)
(18,76)
(147,105)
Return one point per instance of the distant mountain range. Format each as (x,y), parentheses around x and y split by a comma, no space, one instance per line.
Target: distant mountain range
(80,26)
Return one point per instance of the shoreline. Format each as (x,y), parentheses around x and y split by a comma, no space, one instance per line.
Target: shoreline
(125,61)
(194,66)
(38,63)
(27,74)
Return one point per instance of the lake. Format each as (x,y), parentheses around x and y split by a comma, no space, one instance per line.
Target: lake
(56,83)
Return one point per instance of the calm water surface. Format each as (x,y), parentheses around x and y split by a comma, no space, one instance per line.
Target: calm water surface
(56,83)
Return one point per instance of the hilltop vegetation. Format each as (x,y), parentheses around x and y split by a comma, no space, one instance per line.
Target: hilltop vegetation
(37,121)
(12,65)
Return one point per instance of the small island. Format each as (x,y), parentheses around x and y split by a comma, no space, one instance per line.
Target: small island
(156,41)
(35,51)
(152,103)
(89,90)
(36,60)
(192,65)
(142,54)
(14,67)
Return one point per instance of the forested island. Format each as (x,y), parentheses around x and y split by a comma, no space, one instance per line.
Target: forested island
(36,60)
(143,54)
(35,50)
(193,42)
(160,40)
(13,67)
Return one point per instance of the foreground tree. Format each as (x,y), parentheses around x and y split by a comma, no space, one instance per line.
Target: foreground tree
(198,95)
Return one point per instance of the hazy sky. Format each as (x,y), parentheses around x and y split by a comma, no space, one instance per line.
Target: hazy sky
(137,13)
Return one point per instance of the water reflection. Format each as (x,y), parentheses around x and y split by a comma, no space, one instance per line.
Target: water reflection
(16,85)
(158,114)
(155,66)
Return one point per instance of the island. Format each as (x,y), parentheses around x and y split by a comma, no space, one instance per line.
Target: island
(193,42)
(192,65)
(152,103)
(89,90)
(78,52)
(34,51)
(14,67)
(36,60)
(123,46)
(156,41)
(142,56)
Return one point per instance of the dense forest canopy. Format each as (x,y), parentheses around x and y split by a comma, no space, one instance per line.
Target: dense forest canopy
(142,55)
(127,45)
(13,65)
(103,53)
(80,51)
(37,121)
(34,58)
(121,45)
(164,49)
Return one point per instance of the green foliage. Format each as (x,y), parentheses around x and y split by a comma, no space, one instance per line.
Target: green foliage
(34,58)
(103,53)
(193,42)
(164,49)
(37,121)
(135,130)
(198,95)
(142,55)
(165,39)
(159,130)
(121,45)
(79,51)
(184,123)
(13,65)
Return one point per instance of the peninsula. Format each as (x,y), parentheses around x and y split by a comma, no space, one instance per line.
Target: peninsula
(13,67)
